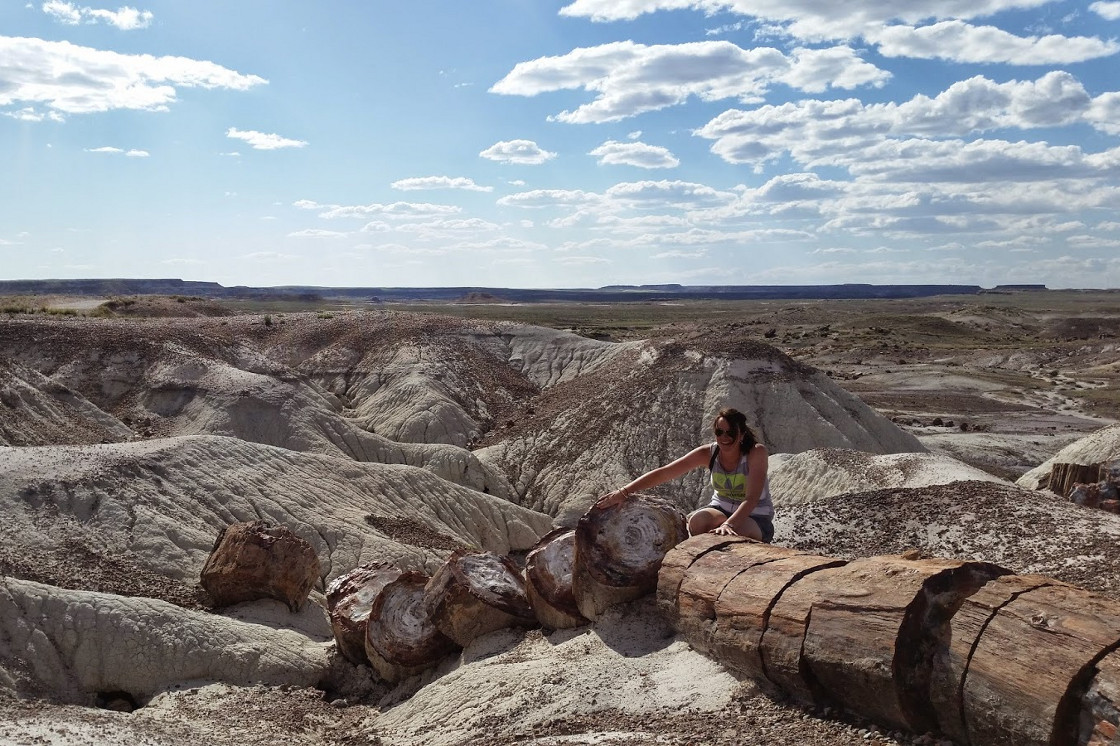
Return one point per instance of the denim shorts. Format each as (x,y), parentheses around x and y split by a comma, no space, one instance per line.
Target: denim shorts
(765,522)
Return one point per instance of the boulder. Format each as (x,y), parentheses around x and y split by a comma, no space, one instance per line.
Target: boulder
(255,560)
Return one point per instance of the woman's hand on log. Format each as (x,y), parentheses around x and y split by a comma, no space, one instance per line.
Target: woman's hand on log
(724,529)
(611,498)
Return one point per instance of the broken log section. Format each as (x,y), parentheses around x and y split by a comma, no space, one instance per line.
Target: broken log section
(401,638)
(618,551)
(962,648)
(350,598)
(548,580)
(473,593)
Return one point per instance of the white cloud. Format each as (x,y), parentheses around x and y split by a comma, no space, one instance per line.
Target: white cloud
(137,153)
(392,210)
(522,152)
(661,194)
(629,79)
(550,198)
(843,132)
(124,18)
(893,24)
(71,79)
(439,182)
(262,140)
(104,149)
(317,233)
(638,154)
(1110,11)
(962,42)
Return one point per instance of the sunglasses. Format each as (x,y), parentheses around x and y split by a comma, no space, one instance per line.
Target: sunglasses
(720,432)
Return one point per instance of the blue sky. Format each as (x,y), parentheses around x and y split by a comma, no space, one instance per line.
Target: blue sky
(528,143)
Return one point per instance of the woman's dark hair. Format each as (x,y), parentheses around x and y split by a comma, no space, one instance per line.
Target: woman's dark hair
(748,439)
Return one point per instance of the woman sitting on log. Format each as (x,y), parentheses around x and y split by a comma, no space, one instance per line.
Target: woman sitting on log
(741,504)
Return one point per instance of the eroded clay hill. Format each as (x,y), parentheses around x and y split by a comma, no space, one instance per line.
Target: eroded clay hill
(543,418)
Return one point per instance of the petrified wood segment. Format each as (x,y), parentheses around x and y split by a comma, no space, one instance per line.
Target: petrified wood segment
(742,611)
(401,638)
(548,580)
(619,551)
(676,564)
(473,593)
(1034,661)
(350,598)
(872,633)
(951,660)
(705,580)
(255,560)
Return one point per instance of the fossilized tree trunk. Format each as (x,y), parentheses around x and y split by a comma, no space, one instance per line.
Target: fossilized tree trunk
(548,580)
(476,593)
(350,598)
(1033,663)
(401,638)
(619,551)
(255,560)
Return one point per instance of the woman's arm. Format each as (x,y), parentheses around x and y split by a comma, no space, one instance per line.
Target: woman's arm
(694,459)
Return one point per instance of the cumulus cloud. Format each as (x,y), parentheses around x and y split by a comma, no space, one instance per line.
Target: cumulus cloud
(71,79)
(1110,11)
(638,154)
(263,141)
(893,24)
(438,182)
(522,152)
(660,194)
(842,132)
(124,18)
(629,78)
(392,210)
(550,198)
(958,41)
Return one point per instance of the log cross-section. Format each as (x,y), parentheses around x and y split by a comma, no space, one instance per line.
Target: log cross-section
(401,638)
(474,593)
(619,550)
(548,580)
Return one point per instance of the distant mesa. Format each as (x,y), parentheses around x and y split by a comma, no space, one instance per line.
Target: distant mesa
(606,294)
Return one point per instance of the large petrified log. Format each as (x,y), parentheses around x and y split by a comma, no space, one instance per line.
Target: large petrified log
(706,579)
(1033,664)
(676,564)
(255,560)
(473,593)
(350,598)
(872,634)
(401,638)
(743,610)
(548,580)
(619,551)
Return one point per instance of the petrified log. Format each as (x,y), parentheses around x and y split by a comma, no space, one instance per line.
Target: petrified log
(619,551)
(951,660)
(874,627)
(401,638)
(706,580)
(1100,707)
(676,564)
(548,580)
(476,593)
(742,610)
(255,560)
(350,597)
(1034,661)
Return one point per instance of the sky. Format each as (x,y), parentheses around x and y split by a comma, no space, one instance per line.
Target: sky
(573,144)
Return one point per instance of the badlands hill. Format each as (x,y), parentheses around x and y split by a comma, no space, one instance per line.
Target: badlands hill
(128,444)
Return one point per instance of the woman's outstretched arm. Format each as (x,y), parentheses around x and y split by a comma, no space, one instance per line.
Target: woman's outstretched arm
(694,459)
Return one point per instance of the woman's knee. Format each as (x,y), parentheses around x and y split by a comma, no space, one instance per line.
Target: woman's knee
(704,520)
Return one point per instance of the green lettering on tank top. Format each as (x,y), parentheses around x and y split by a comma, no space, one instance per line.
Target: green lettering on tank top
(730,486)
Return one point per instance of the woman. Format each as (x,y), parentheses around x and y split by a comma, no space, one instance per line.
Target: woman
(741,504)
